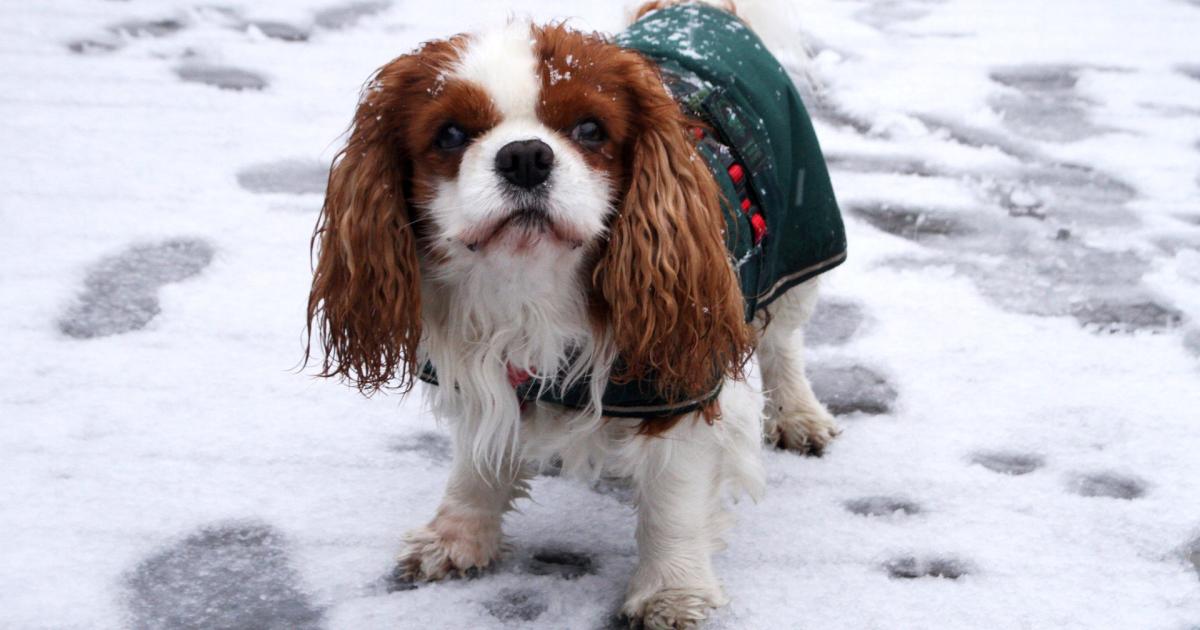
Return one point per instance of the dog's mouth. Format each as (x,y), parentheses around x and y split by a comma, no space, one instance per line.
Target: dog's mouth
(527,225)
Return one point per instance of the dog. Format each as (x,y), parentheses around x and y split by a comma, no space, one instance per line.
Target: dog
(582,241)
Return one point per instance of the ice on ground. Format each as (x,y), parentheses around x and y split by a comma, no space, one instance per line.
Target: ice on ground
(912,223)
(1043,103)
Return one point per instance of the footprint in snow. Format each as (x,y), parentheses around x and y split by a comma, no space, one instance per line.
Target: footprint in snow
(121,291)
(517,604)
(119,33)
(291,176)
(346,15)
(278,30)
(433,446)
(272,29)
(619,488)
(92,46)
(230,575)
(911,568)
(149,28)
(1192,555)
(834,323)
(850,389)
(1008,463)
(1191,342)
(884,14)
(1108,484)
(560,562)
(223,77)
(1130,315)
(882,506)
(1196,219)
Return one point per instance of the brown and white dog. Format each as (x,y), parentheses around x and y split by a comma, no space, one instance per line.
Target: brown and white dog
(490,217)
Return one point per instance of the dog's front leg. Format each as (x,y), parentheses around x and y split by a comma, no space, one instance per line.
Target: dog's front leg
(464,536)
(679,524)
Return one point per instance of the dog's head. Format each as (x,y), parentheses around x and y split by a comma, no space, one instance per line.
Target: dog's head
(527,142)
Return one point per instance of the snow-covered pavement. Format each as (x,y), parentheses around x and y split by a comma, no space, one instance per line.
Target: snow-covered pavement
(1013,346)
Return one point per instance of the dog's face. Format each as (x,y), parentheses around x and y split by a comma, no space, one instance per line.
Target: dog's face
(508,156)
(516,139)
(537,143)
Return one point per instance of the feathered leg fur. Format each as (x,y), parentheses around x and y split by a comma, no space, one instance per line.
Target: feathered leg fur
(794,419)
(464,535)
(680,478)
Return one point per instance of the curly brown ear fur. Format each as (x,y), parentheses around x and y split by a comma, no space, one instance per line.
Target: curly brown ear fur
(673,302)
(365,302)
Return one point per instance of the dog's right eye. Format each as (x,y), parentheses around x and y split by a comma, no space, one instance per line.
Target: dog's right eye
(451,137)
(589,132)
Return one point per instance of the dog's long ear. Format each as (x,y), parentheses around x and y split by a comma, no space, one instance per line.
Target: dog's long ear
(672,299)
(365,302)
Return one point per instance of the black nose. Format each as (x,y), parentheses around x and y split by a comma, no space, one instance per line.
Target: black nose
(525,163)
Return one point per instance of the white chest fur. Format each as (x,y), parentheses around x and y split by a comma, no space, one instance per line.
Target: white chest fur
(524,310)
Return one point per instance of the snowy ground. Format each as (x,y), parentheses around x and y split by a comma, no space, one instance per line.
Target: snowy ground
(1013,347)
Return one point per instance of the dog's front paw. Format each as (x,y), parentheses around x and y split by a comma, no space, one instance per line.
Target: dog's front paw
(669,608)
(805,433)
(448,547)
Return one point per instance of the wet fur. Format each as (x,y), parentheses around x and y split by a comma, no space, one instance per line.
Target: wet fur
(628,261)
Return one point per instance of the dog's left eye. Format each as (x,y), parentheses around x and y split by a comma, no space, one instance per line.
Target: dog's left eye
(451,137)
(589,132)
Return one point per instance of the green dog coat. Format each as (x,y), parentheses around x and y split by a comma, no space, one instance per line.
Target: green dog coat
(782,220)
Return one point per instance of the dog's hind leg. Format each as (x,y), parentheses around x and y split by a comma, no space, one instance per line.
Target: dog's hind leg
(794,419)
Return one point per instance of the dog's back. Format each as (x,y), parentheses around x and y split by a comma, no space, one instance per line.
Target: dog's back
(754,131)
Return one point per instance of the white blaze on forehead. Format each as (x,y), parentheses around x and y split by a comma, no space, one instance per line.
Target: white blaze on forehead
(502,62)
